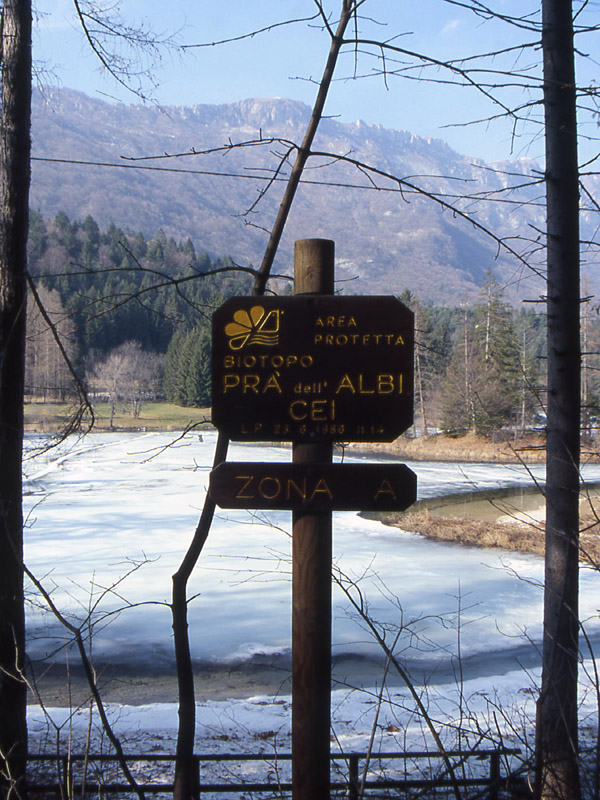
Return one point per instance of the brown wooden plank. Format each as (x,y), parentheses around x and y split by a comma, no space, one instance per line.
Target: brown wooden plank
(313,368)
(335,487)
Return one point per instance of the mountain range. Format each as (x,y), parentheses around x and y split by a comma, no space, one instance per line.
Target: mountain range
(389,237)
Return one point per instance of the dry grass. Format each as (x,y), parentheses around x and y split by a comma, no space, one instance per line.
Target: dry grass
(51,417)
(517,536)
(469,447)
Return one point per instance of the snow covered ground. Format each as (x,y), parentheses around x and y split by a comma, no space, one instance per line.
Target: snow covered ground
(119,510)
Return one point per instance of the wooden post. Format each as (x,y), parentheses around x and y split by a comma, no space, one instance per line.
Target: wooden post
(494,775)
(353,785)
(311,585)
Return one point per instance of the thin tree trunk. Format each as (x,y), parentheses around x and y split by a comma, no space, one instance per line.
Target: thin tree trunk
(557,741)
(186,769)
(186,778)
(14,209)
(303,154)
(419,376)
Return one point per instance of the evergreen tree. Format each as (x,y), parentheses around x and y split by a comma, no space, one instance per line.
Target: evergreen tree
(156,247)
(139,247)
(472,396)
(90,234)
(187,374)
(37,240)
(66,235)
(492,377)
(189,252)
(175,365)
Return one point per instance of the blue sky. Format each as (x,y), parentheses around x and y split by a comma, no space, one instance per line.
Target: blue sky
(282,63)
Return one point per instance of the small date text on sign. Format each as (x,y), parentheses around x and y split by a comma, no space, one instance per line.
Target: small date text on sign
(313,487)
(313,368)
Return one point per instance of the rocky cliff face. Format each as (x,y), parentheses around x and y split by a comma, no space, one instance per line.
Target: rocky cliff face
(388,235)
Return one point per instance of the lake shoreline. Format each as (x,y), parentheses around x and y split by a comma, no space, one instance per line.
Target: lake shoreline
(508,528)
(130,684)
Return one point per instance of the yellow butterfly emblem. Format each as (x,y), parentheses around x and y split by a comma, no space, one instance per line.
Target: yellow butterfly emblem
(255,326)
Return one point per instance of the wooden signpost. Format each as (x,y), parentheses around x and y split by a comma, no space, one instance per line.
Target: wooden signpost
(312,369)
(314,487)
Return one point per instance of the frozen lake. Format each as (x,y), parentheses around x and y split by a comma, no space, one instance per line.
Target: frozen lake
(110,517)
(107,504)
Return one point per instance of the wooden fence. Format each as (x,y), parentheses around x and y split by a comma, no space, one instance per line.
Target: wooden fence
(68,775)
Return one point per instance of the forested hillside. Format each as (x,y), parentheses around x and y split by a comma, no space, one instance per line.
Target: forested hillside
(133,316)
(127,309)
(87,161)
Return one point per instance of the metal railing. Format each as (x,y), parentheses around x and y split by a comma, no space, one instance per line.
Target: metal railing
(74,770)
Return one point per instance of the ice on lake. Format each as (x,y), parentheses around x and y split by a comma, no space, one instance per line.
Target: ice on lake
(110,517)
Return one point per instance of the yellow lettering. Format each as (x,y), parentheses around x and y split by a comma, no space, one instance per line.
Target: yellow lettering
(230,382)
(247,480)
(345,383)
(385,488)
(250,383)
(274,361)
(319,323)
(321,487)
(361,387)
(264,492)
(297,410)
(300,490)
(399,340)
(272,383)
(352,322)
(385,383)
(317,411)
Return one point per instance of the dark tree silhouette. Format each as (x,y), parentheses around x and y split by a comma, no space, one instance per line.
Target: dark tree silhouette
(557,751)
(14,212)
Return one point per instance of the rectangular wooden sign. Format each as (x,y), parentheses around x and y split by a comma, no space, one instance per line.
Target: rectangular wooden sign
(313,368)
(313,487)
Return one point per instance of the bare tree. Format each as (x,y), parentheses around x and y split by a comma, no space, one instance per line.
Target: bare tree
(186,783)
(15,154)
(128,374)
(15,148)
(557,727)
(128,53)
(47,375)
(565,453)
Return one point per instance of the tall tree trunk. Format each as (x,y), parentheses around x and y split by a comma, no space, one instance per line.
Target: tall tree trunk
(557,751)
(186,781)
(14,208)
(186,767)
